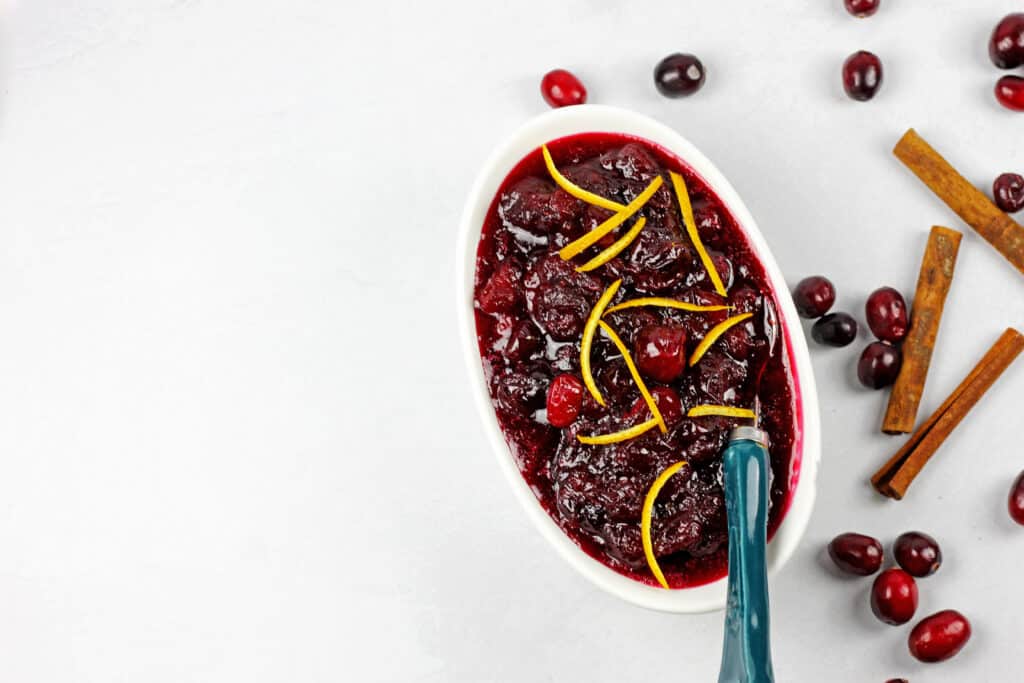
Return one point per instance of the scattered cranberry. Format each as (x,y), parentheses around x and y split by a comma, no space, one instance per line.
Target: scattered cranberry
(894,597)
(862,8)
(1010,92)
(856,553)
(918,553)
(940,636)
(1008,191)
(1006,48)
(862,75)
(835,329)
(679,75)
(669,405)
(813,296)
(887,314)
(661,352)
(561,89)
(1016,502)
(879,365)
(565,399)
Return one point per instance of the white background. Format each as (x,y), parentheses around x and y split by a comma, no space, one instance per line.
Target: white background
(236,441)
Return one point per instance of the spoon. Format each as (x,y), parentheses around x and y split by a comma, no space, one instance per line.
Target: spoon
(746,653)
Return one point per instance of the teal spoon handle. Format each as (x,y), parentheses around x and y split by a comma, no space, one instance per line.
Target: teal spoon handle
(746,654)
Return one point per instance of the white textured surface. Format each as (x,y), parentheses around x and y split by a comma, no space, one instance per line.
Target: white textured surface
(235,435)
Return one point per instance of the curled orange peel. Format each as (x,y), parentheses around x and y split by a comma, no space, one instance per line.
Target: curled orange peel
(646,519)
(589,329)
(686,208)
(624,435)
(635,373)
(720,411)
(616,248)
(714,333)
(574,189)
(578,246)
(667,303)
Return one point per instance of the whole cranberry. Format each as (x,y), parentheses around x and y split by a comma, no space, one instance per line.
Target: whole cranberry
(1006,47)
(565,399)
(1016,502)
(813,296)
(660,352)
(679,75)
(856,553)
(834,329)
(918,553)
(894,596)
(879,365)
(1008,191)
(669,405)
(862,8)
(562,89)
(886,312)
(940,636)
(1010,92)
(862,75)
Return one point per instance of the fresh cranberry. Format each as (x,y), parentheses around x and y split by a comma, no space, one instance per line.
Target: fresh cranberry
(879,365)
(862,8)
(565,399)
(561,89)
(918,553)
(1016,502)
(661,352)
(1008,191)
(862,75)
(856,553)
(679,75)
(835,329)
(669,405)
(813,296)
(1006,48)
(886,312)
(940,636)
(1010,92)
(894,597)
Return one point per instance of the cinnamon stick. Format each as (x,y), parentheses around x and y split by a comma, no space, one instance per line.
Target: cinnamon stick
(929,301)
(998,229)
(895,477)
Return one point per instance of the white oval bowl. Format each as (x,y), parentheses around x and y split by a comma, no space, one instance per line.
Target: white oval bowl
(594,118)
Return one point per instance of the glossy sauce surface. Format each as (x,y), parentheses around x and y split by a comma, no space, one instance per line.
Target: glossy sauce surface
(531,307)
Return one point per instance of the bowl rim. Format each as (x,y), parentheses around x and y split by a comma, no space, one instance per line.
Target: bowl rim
(600,118)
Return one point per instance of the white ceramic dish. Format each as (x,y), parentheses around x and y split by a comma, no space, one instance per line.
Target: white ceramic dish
(592,118)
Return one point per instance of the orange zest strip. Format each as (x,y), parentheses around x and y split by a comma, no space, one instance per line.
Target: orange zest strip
(575,190)
(588,340)
(613,251)
(577,247)
(666,303)
(714,333)
(683,197)
(624,435)
(648,513)
(721,411)
(636,374)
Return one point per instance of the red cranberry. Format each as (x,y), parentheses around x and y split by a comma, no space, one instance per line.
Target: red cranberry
(661,352)
(856,553)
(940,636)
(565,399)
(813,296)
(894,597)
(918,553)
(897,680)
(561,89)
(679,75)
(1006,48)
(669,405)
(1016,502)
(835,329)
(523,341)
(862,8)
(887,314)
(879,365)
(1008,191)
(1010,92)
(862,75)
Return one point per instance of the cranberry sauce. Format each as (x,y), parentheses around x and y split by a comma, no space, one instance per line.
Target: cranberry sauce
(531,308)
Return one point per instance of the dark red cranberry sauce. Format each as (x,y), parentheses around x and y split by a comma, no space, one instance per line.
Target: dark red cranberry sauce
(531,307)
